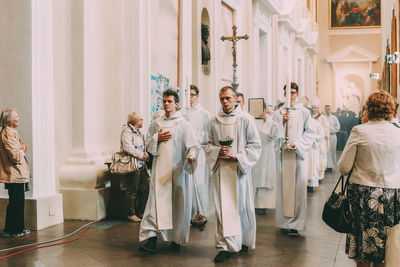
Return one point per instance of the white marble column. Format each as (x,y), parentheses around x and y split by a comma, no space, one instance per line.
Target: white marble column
(43,205)
(137,50)
(186,48)
(97,109)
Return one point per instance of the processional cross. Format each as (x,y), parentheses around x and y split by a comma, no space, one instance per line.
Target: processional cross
(234,38)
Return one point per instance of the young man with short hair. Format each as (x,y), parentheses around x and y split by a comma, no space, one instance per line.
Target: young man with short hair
(171,140)
(232,150)
(291,211)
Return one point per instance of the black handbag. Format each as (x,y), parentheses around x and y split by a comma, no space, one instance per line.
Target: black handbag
(336,212)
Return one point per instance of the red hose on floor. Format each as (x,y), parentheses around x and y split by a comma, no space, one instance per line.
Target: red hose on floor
(52,245)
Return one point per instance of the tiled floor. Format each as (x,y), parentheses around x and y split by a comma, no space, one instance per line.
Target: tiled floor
(117,246)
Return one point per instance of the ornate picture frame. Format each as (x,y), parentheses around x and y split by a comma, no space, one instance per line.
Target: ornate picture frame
(256,107)
(354,14)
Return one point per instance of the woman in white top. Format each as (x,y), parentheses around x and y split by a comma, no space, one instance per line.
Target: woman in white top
(136,184)
(373,152)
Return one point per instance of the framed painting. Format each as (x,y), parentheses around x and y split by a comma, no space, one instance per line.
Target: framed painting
(350,14)
(256,107)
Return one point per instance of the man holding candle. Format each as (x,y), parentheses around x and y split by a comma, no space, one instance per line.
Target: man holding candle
(300,136)
(232,150)
(198,118)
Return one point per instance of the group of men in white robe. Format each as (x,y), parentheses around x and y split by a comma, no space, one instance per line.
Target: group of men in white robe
(313,136)
(230,145)
(204,158)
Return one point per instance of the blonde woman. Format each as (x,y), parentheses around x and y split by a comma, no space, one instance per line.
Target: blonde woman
(14,173)
(137,183)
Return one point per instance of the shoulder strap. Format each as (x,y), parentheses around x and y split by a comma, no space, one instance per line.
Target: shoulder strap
(343,185)
(395,124)
(120,139)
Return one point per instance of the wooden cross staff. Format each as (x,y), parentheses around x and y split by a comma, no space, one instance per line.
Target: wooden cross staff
(234,39)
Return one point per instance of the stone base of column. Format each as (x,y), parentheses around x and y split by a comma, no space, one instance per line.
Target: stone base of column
(85,204)
(39,213)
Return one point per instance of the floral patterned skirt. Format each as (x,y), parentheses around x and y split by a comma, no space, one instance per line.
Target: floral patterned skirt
(373,213)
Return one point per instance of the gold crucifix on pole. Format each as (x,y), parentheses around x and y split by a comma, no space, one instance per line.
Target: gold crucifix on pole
(234,38)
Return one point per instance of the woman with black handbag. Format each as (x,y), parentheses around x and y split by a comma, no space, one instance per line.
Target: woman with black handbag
(372,153)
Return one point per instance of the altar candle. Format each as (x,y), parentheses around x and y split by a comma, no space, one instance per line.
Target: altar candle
(187,90)
(288,89)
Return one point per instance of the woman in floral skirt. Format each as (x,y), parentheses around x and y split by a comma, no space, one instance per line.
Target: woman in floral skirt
(373,152)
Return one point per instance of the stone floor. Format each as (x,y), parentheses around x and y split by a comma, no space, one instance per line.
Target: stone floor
(117,245)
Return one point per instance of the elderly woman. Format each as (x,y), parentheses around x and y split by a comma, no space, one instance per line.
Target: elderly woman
(14,172)
(137,183)
(373,153)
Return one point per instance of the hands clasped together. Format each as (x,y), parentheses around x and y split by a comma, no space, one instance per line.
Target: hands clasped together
(165,136)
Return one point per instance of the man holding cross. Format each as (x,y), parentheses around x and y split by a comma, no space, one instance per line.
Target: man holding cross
(291,205)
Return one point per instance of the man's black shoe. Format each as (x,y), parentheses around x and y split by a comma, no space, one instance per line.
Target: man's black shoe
(150,245)
(260,211)
(284,231)
(293,233)
(221,256)
(328,170)
(175,246)
(244,248)
(310,189)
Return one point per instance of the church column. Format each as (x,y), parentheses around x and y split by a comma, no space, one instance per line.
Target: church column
(216,49)
(97,113)
(185,69)
(249,75)
(333,101)
(45,207)
(137,48)
(29,58)
(275,59)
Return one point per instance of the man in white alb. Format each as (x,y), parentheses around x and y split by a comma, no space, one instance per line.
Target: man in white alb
(264,172)
(171,140)
(233,149)
(334,127)
(316,114)
(198,118)
(291,172)
(240,100)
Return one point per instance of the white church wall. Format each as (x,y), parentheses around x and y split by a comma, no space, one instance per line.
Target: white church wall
(97,81)
(62,83)
(299,73)
(164,36)
(247,61)
(285,60)
(15,74)
(263,39)
(102,70)
(34,84)
(137,59)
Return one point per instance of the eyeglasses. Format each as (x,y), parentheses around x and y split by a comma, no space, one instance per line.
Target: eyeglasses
(193,94)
